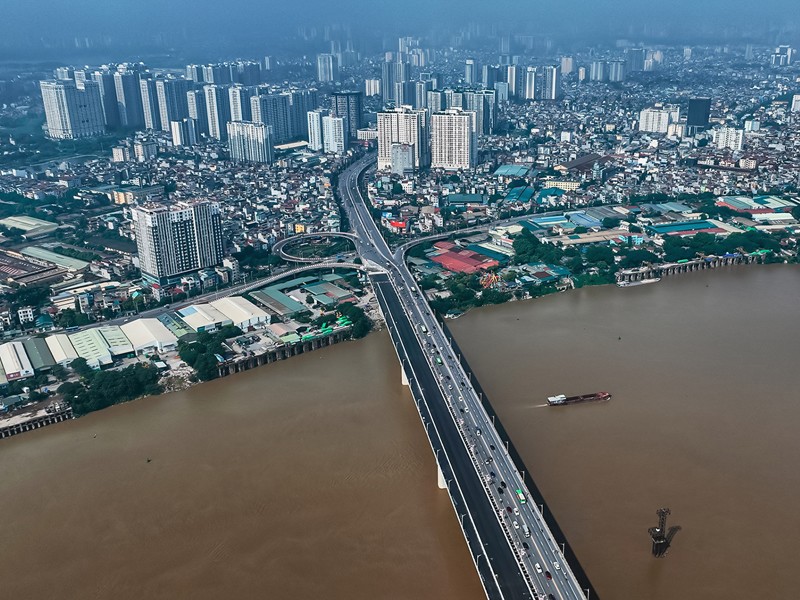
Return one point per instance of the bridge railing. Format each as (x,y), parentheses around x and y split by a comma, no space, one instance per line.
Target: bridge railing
(536,494)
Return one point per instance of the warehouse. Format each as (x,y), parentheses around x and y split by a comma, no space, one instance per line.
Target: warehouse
(38,353)
(242,313)
(61,348)
(203,317)
(118,343)
(100,345)
(15,361)
(149,335)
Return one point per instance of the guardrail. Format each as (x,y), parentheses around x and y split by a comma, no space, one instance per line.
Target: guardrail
(536,494)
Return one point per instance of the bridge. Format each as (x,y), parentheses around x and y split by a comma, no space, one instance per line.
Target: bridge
(514,551)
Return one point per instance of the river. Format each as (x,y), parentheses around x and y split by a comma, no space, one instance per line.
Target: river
(703,420)
(312,477)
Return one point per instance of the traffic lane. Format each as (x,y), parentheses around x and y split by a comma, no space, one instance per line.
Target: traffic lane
(473,540)
(544,553)
(480,510)
(496,545)
(507,471)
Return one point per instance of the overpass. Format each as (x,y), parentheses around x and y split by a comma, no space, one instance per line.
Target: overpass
(278,247)
(514,551)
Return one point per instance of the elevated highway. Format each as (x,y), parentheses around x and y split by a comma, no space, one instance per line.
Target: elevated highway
(279,247)
(514,551)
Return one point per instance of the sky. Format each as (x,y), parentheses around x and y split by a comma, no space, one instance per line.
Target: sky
(26,22)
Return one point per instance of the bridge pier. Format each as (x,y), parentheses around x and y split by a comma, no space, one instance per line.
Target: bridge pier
(441,481)
(403,376)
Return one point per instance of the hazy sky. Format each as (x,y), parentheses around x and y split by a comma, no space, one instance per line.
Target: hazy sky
(249,19)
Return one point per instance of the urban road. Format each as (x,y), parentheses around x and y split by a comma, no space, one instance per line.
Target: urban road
(513,549)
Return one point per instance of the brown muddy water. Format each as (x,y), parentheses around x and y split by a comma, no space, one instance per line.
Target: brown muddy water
(704,420)
(309,478)
(312,478)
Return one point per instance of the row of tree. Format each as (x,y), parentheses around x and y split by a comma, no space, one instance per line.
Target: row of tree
(100,389)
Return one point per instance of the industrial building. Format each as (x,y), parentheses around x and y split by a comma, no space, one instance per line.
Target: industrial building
(61,349)
(203,317)
(100,345)
(15,361)
(241,312)
(149,335)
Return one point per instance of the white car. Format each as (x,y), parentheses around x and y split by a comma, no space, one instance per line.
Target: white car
(516,526)
(538,568)
(556,566)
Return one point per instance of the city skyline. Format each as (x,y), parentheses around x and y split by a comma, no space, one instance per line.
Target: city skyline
(188,197)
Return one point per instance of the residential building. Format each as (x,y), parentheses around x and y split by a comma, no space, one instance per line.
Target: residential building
(196,103)
(172,101)
(184,133)
(348,106)
(552,83)
(327,68)
(531,92)
(402,125)
(273,110)
(372,87)
(470,71)
(728,138)
(129,99)
(335,134)
(250,142)
(218,110)
(73,110)
(239,98)
(453,139)
(177,239)
(152,116)
(658,120)
(108,97)
(316,140)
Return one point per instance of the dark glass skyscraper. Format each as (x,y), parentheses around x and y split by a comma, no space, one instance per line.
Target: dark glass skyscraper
(697,116)
(348,105)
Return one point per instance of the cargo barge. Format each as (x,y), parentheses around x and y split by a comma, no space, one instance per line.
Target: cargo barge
(638,282)
(561,399)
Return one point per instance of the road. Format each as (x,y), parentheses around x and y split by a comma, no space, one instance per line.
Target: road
(526,561)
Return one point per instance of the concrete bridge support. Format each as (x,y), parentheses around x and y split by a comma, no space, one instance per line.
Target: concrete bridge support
(403,376)
(442,482)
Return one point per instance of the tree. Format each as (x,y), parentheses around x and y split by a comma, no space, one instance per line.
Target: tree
(59,372)
(72,318)
(207,367)
(635,258)
(611,222)
(80,366)
(599,254)
(575,264)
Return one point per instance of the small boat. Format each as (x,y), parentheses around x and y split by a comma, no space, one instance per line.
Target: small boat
(561,399)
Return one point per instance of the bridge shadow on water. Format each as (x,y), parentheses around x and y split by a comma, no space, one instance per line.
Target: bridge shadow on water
(558,534)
